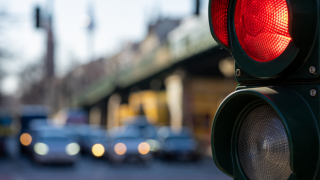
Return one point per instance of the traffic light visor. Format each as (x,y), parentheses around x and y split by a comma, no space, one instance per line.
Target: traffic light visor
(262,28)
(219,21)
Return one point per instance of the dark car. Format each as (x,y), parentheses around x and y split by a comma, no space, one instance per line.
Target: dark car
(71,116)
(27,114)
(145,130)
(84,133)
(6,129)
(96,142)
(178,145)
(54,145)
(128,145)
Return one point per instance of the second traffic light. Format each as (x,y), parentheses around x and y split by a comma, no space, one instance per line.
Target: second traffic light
(268,128)
(37,17)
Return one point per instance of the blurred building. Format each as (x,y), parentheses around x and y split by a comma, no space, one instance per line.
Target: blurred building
(132,54)
(76,81)
(178,75)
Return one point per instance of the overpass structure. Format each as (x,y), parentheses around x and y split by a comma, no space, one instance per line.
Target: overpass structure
(189,74)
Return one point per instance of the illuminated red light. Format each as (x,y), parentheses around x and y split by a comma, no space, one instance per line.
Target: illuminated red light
(262,28)
(219,14)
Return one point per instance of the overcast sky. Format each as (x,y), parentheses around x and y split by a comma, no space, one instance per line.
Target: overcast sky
(116,22)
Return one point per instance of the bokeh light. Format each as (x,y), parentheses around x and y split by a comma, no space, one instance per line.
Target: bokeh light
(120,148)
(41,148)
(154,144)
(72,149)
(25,139)
(98,150)
(143,148)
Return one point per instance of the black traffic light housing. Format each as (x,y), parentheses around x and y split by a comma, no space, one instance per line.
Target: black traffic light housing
(289,84)
(37,17)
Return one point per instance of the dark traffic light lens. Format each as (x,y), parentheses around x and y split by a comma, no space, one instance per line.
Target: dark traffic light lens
(262,28)
(263,146)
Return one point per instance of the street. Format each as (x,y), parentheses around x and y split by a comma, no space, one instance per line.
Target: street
(98,169)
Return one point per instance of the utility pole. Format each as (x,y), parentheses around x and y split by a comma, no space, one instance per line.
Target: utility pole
(49,72)
(49,62)
(90,31)
(197,7)
(46,24)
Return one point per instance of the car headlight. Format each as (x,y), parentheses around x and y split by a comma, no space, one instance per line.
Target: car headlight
(72,149)
(98,150)
(143,148)
(41,148)
(25,139)
(120,148)
(154,144)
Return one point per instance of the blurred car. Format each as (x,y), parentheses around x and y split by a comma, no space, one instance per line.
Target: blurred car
(141,124)
(26,115)
(96,142)
(38,123)
(71,116)
(178,145)
(83,132)
(53,145)
(28,135)
(29,113)
(128,145)
(6,124)
(146,130)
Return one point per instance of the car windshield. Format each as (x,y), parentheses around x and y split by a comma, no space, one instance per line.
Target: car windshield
(26,120)
(129,138)
(98,135)
(145,131)
(54,138)
(53,135)
(179,139)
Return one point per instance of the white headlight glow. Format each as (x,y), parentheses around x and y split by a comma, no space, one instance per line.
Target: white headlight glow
(41,148)
(72,149)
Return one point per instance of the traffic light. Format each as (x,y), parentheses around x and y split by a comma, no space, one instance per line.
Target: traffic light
(268,129)
(37,17)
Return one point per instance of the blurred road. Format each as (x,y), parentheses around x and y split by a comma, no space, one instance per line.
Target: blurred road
(97,169)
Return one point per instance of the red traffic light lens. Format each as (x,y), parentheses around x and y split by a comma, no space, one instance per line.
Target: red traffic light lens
(219,14)
(262,28)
